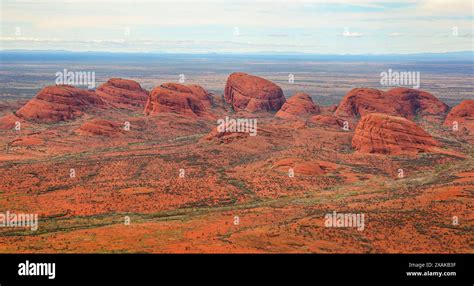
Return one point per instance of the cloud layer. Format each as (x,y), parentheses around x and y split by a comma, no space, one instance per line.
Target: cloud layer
(343,27)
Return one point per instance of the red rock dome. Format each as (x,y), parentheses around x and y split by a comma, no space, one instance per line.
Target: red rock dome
(252,93)
(299,106)
(385,134)
(59,103)
(123,93)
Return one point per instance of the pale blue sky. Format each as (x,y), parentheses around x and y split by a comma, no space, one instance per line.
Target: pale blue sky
(309,26)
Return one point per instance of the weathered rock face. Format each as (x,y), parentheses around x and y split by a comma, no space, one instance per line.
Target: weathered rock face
(59,103)
(385,134)
(415,102)
(100,127)
(176,98)
(123,92)
(462,115)
(252,93)
(299,106)
(403,102)
(362,101)
(198,91)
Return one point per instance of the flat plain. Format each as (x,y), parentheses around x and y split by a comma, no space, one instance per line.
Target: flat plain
(235,195)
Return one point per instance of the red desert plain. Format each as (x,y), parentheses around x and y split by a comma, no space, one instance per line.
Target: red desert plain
(169,170)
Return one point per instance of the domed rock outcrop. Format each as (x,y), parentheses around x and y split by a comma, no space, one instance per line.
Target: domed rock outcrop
(198,91)
(361,101)
(385,134)
(177,98)
(58,103)
(252,93)
(403,102)
(124,93)
(462,115)
(299,106)
(415,102)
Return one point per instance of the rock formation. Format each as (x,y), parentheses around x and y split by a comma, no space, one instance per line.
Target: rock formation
(176,98)
(385,134)
(462,116)
(123,92)
(58,103)
(252,93)
(415,102)
(403,102)
(299,106)
(198,91)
